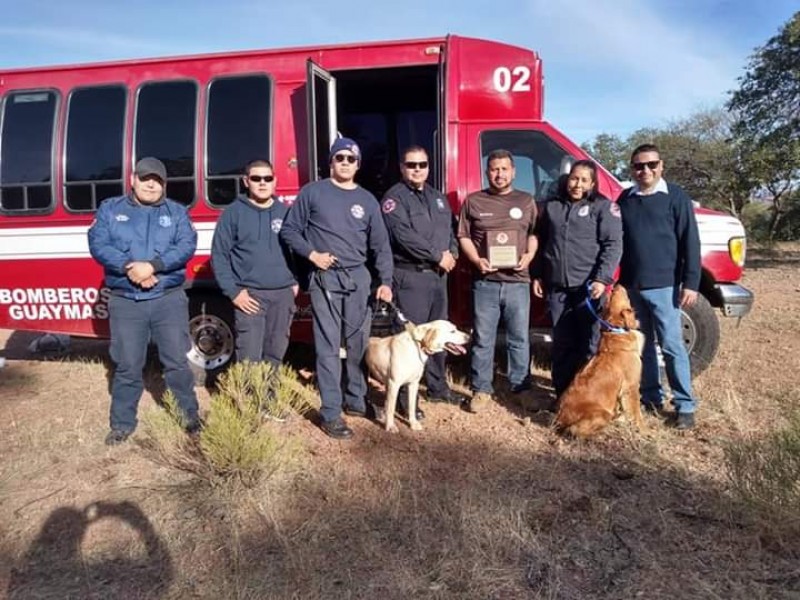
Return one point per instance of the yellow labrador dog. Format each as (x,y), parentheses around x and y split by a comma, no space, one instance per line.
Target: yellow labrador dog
(400,359)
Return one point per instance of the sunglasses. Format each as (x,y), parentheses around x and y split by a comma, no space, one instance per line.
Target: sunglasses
(339,158)
(264,178)
(650,164)
(410,164)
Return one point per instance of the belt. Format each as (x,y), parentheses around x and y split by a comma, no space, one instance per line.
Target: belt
(417,268)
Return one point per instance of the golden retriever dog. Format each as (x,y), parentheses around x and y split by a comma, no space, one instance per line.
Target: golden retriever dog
(609,382)
(400,359)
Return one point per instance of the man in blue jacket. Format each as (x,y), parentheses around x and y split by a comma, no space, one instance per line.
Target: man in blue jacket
(336,225)
(661,269)
(252,267)
(143,241)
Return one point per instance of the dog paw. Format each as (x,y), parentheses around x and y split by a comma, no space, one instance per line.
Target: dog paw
(392,428)
(415,425)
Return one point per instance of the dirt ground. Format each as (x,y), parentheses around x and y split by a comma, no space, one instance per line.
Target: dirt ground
(475,506)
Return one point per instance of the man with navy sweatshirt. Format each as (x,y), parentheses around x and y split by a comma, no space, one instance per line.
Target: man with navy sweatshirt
(661,269)
(336,225)
(252,267)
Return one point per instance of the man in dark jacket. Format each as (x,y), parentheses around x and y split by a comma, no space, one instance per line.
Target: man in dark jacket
(424,249)
(143,241)
(252,267)
(336,225)
(661,269)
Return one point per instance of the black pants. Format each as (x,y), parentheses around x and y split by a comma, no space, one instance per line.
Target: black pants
(339,300)
(265,335)
(422,297)
(576,334)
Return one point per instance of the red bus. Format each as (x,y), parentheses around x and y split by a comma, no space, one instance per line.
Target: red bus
(70,135)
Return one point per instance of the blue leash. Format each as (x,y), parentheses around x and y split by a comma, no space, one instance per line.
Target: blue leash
(603,323)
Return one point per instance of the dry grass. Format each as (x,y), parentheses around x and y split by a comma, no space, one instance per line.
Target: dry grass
(474,506)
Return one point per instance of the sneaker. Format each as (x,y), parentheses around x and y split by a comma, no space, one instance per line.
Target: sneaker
(337,429)
(116,437)
(479,402)
(521,387)
(368,412)
(683,421)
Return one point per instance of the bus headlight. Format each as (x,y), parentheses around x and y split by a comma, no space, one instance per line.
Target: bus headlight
(737,248)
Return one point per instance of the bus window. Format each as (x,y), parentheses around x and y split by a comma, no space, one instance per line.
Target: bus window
(94,146)
(165,129)
(537,159)
(26,152)
(237,132)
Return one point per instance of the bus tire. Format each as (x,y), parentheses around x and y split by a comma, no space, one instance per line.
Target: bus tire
(211,334)
(700,334)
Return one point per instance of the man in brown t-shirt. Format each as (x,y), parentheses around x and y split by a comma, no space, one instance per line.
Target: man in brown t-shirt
(495,232)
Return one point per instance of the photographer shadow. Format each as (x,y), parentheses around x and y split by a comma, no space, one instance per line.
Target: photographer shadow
(55,564)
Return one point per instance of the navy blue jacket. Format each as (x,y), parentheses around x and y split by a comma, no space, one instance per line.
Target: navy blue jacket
(125,231)
(346,223)
(246,252)
(661,244)
(420,225)
(578,241)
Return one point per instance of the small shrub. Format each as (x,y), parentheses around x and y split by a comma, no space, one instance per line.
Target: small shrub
(234,444)
(766,473)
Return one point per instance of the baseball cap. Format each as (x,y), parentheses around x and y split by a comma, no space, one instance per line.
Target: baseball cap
(151,166)
(344,143)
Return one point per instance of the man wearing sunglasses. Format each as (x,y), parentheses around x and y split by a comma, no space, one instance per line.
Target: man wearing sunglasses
(336,225)
(252,267)
(661,269)
(424,249)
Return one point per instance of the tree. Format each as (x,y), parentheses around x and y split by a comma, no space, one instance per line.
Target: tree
(767,128)
(610,151)
(698,155)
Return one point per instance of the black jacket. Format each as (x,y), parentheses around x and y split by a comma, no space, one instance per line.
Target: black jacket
(420,225)
(578,241)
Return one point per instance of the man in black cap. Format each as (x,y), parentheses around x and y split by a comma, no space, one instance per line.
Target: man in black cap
(424,249)
(143,241)
(336,225)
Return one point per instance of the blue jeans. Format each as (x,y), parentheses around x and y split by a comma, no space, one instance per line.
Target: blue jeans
(658,311)
(492,300)
(165,321)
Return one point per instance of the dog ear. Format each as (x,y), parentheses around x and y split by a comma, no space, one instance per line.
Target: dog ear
(427,341)
(629,318)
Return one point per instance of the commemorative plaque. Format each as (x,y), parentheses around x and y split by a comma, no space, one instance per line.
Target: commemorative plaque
(502,249)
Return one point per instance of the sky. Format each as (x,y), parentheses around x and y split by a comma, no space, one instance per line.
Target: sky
(611,66)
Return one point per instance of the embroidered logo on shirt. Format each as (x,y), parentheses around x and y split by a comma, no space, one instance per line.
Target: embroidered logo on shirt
(515,213)
(164,220)
(276,225)
(614,210)
(122,218)
(583,211)
(357,211)
(440,203)
(389,205)
(485,214)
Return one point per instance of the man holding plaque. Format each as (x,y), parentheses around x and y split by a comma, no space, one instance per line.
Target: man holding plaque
(496,234)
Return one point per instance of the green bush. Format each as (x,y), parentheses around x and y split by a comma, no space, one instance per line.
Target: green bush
(234,443)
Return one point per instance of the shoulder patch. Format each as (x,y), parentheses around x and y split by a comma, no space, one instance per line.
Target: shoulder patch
(614,210)
(389,205)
